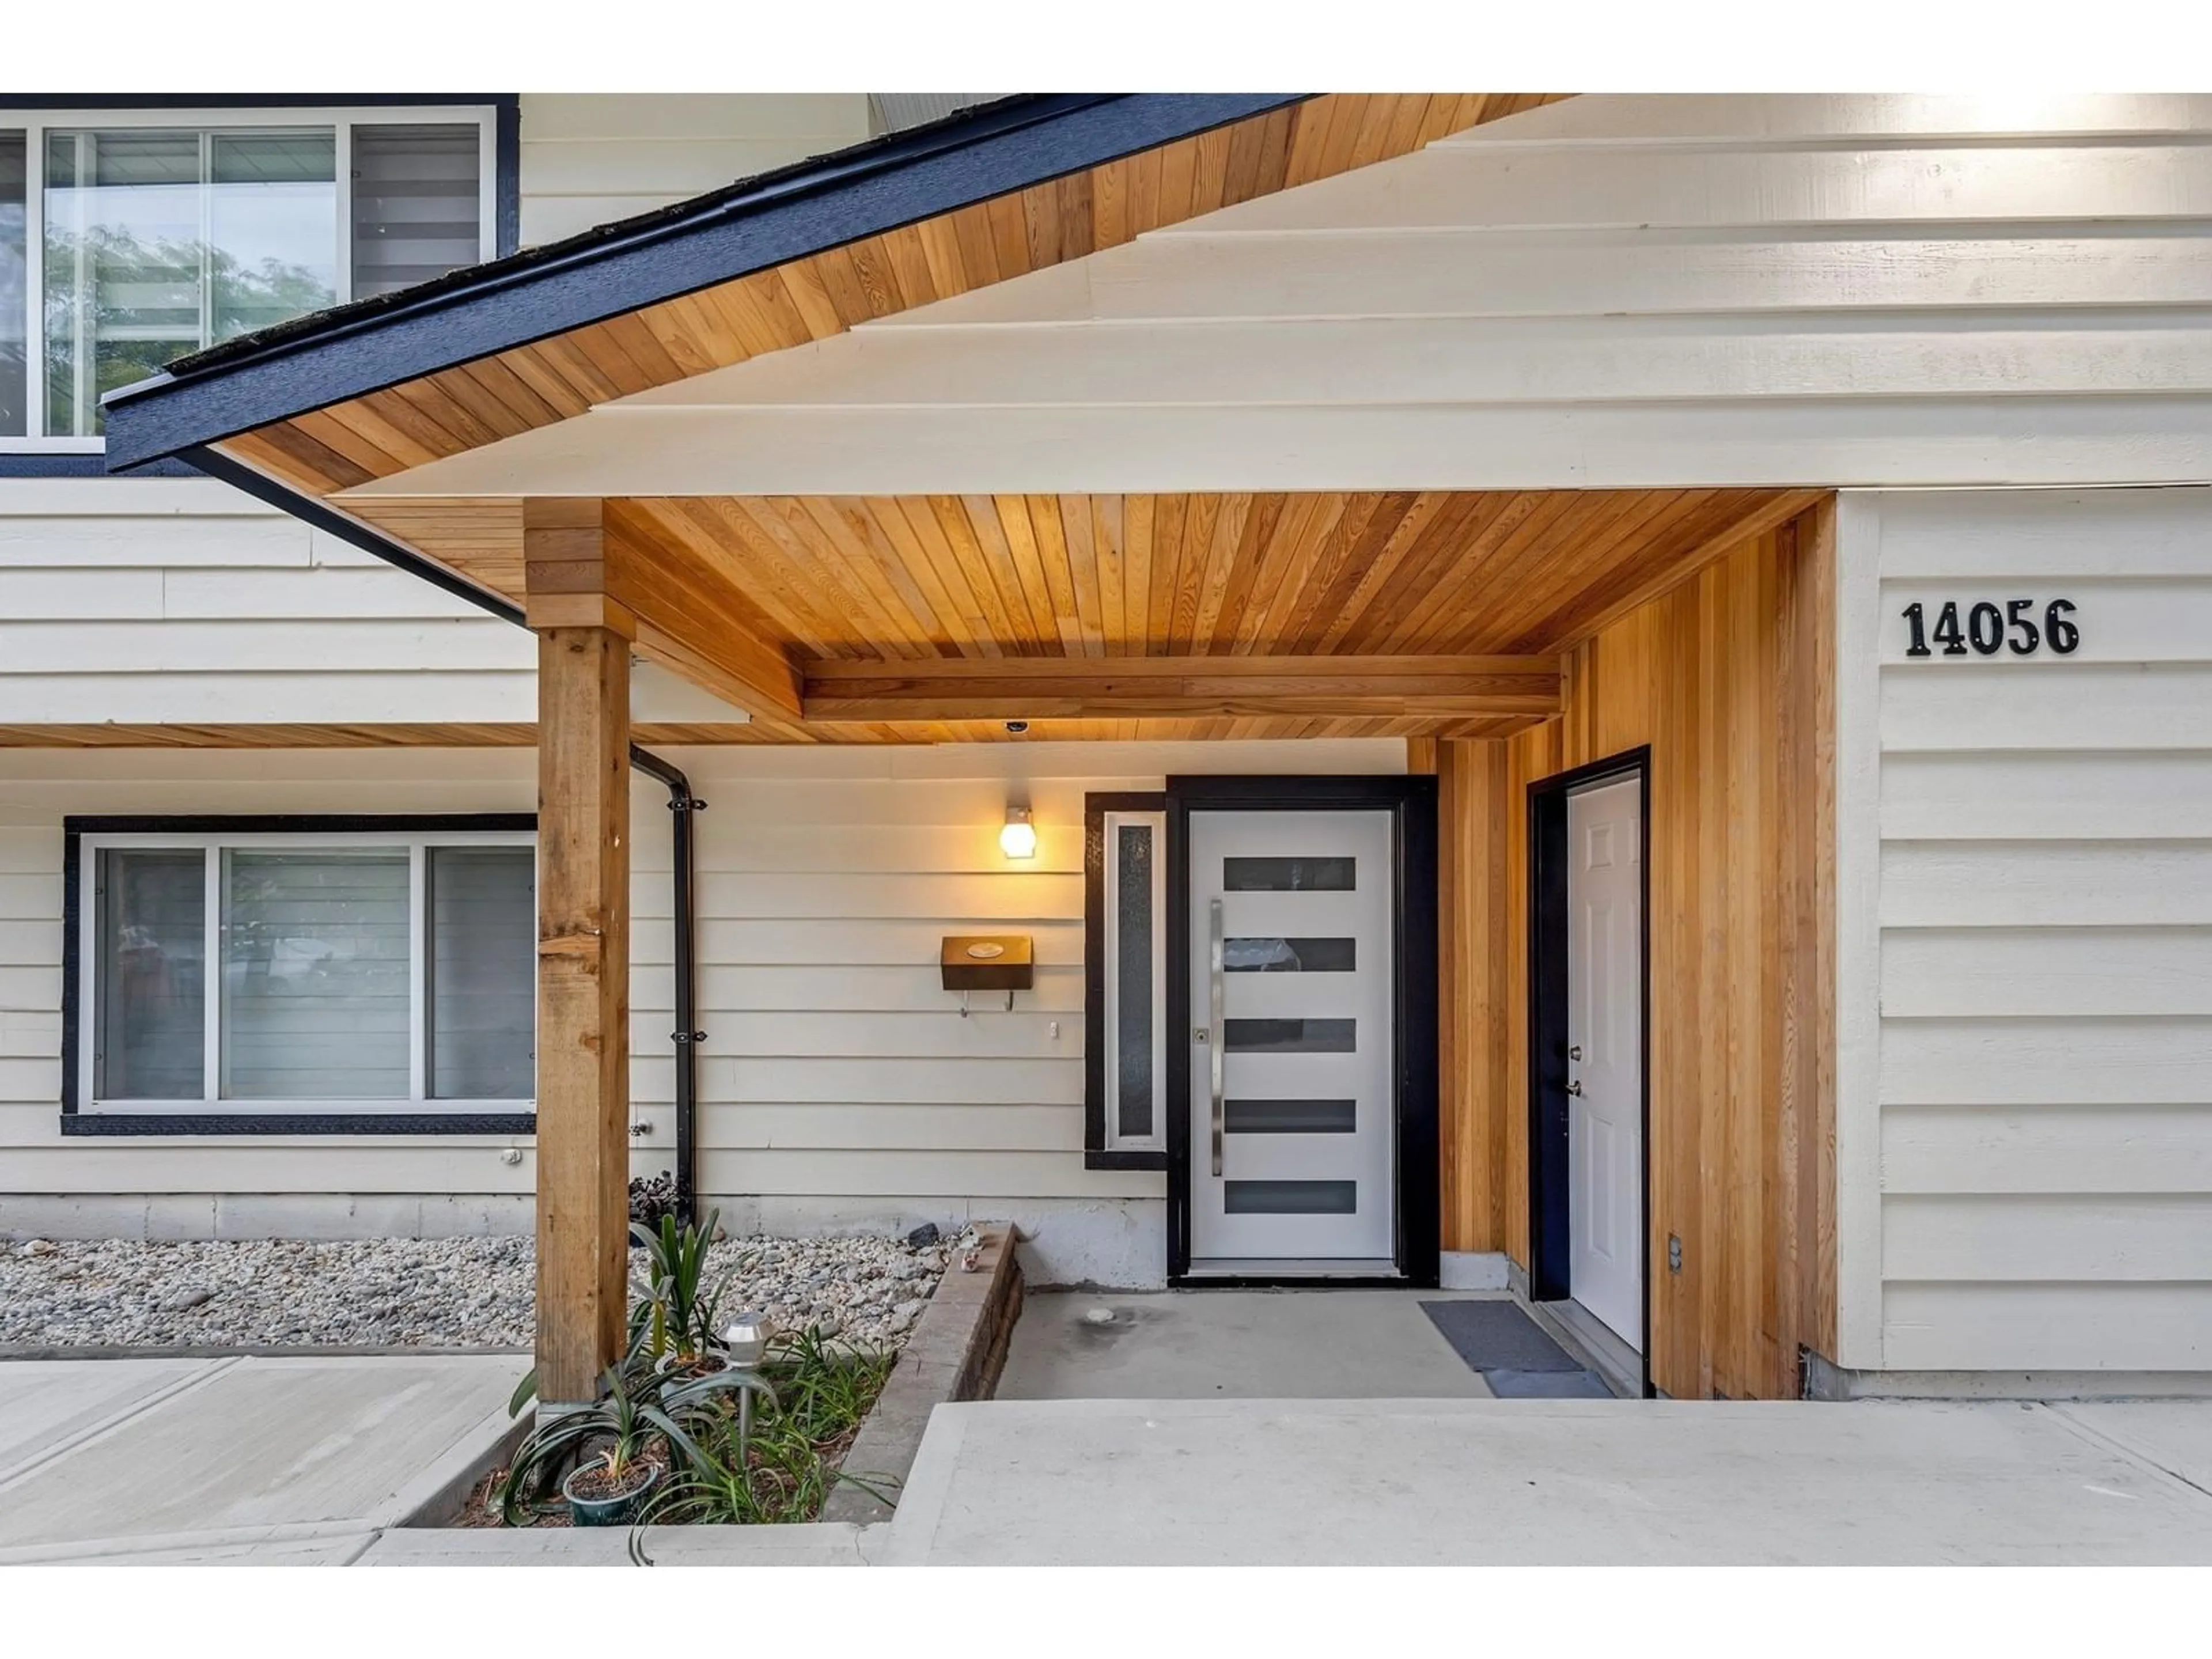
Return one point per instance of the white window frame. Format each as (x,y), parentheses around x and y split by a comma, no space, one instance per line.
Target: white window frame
(1112,823)
(417,1102)
(33,123)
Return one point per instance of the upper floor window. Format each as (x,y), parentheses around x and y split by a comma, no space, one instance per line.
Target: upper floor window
(132,239)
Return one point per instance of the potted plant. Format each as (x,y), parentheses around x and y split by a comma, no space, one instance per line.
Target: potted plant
(612,1437)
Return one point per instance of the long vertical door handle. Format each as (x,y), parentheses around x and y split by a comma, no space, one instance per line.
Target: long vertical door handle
(1220,1032)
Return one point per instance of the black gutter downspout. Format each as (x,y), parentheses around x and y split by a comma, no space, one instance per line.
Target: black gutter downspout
(687,1036)
(681,801)
(206,458)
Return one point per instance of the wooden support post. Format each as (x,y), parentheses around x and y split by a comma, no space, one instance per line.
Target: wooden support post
(583,989)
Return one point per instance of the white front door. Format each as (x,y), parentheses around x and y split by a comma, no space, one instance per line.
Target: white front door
(1292,1110)
(1605,1055)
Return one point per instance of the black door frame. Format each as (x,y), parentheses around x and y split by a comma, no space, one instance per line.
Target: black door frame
(1549,924)
(1411,799)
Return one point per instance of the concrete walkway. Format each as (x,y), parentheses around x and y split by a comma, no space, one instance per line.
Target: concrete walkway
(1476,1482)
(1233,1344)
(266,1459)
(314,1461)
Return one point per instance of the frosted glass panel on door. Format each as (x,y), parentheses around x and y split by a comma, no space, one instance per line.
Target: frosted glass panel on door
(483,973)
(1289,955)
(150,915)
(1282,875)
(1292,1036)
(315,975)
(1289,1197)
(1291,1117)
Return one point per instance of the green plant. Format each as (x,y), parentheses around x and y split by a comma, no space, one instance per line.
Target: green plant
(619,1428)
(676,1315)
(786,1467)
(672,1313)
(826,1392)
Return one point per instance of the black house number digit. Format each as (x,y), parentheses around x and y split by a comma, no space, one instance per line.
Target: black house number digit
(1987,629)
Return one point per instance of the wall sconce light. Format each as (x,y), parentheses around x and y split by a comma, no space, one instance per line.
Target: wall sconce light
(1018,839)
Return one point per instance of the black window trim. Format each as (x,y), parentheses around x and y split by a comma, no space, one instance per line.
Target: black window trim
(506,212)
(1096,1153)
(74,1121)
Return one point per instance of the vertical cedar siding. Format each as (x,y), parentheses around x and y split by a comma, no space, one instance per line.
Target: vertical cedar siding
(1728,679)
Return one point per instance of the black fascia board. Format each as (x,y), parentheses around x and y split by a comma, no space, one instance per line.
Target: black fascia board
(875,187)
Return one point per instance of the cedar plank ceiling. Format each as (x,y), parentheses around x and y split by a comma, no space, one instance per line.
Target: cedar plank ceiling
(935,577)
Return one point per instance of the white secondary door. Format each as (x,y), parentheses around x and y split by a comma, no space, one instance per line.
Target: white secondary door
(1292,1110)
(1605,1055)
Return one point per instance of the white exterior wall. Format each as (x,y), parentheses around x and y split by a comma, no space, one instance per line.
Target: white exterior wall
(137,600)
(2024,1129)
(839,1085)
(588,158)
(1609,292)
(142,601)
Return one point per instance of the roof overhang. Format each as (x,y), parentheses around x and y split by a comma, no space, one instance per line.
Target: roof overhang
(992,151)
(1332,607)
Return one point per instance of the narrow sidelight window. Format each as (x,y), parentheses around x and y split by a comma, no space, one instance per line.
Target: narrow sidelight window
(1126,971)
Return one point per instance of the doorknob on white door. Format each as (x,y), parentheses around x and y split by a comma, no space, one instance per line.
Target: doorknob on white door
(1575,1053)
(1576,1087)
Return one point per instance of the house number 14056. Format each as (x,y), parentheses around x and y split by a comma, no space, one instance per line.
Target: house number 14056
(1988,630)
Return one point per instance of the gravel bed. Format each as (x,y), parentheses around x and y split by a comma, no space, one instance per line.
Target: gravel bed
(407,1293)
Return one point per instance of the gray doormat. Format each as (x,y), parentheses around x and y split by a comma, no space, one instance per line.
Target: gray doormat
(1547,1385)
(1497,1336)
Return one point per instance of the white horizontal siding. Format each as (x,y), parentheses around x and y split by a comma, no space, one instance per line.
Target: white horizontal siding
(160,601)
(2039,1102)
(590,157)
(837,1078)
(2064,1325)
(1613,291)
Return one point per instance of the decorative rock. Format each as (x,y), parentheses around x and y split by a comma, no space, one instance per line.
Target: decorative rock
(1098,1315)
(448,1292)
(922,1236)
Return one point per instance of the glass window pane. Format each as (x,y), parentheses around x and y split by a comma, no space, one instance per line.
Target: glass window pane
(150,975)
(1132,981)
(160,241)
(417,205)
(1264,875)
(314,1003)
(1289,956)
(14,295)
(1290,1117)
(123,263)
(1290,1197)
(272,227)
(483,973)
(1292,1036)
